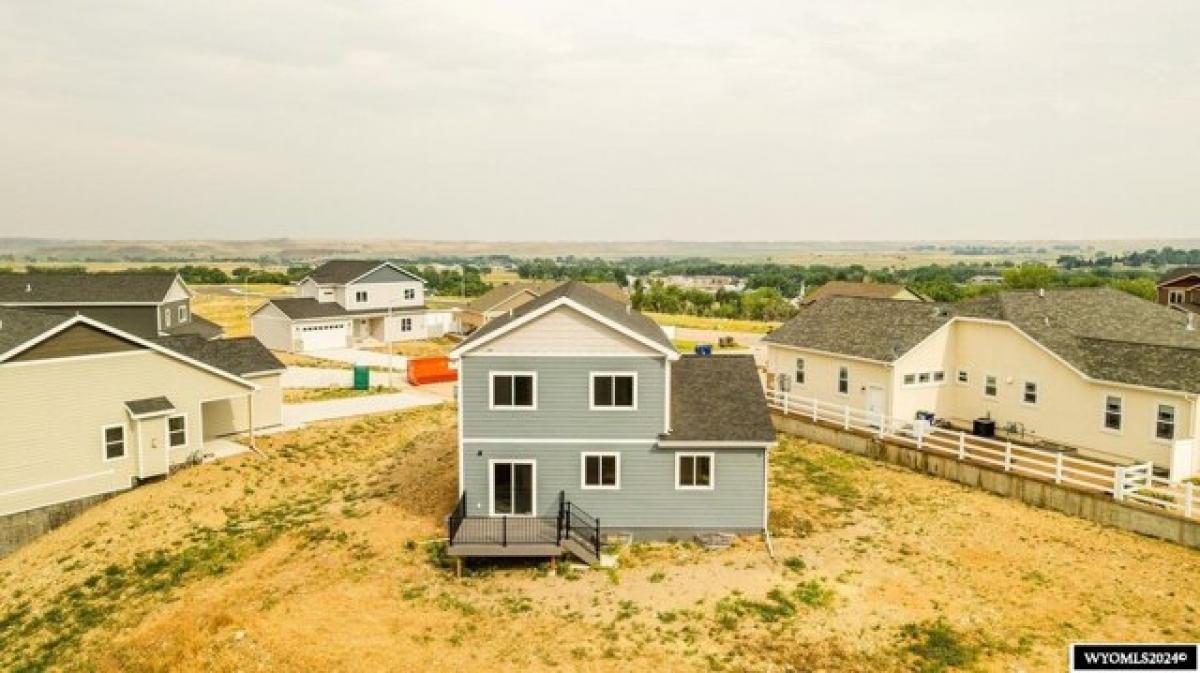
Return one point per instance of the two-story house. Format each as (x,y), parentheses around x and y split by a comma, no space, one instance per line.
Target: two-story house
(1180,289)
(345,303)
(147,304)
(578,418)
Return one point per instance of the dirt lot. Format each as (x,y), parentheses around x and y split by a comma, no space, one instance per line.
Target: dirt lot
(230,305)
(324,557)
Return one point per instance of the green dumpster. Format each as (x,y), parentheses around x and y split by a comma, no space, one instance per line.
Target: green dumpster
(362,377)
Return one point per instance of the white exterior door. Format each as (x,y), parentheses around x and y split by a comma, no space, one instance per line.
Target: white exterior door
(876,400)
(323,336)
(152,448)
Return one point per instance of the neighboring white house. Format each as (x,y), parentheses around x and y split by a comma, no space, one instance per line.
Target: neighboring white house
(1089,370)
(345,303)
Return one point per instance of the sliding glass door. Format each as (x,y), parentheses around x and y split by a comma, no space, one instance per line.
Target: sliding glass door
(513,488)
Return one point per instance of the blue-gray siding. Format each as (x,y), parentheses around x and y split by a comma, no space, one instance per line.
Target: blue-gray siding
(563,388)
(647,497)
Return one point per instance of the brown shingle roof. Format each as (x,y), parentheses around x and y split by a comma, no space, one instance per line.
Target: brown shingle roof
(842,288)
(1180,272)
(239,356)
(502,293)
(718,398)
(82,288)
(342,271)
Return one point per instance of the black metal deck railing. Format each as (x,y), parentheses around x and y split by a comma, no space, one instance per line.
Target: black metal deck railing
(506,531)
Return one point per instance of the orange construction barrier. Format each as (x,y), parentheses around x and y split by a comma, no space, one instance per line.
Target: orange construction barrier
(430,370)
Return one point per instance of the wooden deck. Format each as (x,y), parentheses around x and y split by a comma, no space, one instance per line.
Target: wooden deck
(506,537)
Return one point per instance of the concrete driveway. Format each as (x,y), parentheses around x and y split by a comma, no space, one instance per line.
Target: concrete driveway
(317,377)
(356,356)
(296,415)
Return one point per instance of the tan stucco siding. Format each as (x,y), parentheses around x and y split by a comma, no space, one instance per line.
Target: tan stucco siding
(51,449)
(821,376)
(934,354)
(1070,408)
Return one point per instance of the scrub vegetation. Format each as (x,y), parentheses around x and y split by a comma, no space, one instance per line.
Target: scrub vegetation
(328,555)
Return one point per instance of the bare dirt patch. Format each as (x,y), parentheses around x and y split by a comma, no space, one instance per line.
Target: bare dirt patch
(325,557)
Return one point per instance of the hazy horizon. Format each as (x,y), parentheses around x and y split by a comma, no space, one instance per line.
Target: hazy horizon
(570,121)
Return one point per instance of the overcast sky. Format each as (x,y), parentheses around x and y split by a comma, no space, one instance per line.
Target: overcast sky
(600,120)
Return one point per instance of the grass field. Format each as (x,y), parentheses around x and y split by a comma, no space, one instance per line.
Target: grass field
(224,305)
(719,324)
(324,556)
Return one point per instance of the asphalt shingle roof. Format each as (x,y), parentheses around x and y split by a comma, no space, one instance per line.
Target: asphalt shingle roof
(198,326)
(718,398)
(590,298)
(1106,334)
(84,287)
(842,288)
(1177,273)
(149,405)
(17,327)
(502,293)
(239,356)
(342,271)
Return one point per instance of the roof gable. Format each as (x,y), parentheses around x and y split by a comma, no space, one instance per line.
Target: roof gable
(73,341)
(345,271)
(1179,274)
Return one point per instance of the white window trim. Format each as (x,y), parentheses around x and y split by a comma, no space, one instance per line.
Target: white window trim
(491,475)
(514,407)
(187,431)
(837,382)
(410,293)
(166,317)
(1154,423)
(984,385)
(1172,295)
(957,377)
(104,442)
(1037,393)
(712,470)
(803,362)
(583,485)
(183,313)
(409,322)
(361,297)
(1104,414)
(592,391)
(918,383)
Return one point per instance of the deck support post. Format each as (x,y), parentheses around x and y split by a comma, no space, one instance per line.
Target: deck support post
(458,567)
(1058,467)
(553,565)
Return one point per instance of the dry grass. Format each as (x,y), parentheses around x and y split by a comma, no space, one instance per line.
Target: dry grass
(222,305)
(719,324)
(302,395)
(420,349)
(301,360)
(322,558)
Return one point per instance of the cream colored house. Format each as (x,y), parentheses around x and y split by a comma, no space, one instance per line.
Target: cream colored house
(1094,371)
(89,409)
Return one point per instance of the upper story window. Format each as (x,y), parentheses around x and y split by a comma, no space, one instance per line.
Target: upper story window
(513,390)
(183,314)
(1030,393)
(990,388)
(1164,422)
(360,296)
(410,293)
(614,390)
(166,317)
(1113,411)
(843,381)
(177,431)
(113,438)
(799,371)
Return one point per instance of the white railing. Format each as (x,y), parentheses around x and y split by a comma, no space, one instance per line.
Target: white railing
(1135,483)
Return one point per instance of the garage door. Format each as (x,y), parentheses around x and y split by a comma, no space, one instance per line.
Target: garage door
(323,336)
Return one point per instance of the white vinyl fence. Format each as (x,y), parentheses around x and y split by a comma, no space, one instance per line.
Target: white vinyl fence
(1131,483)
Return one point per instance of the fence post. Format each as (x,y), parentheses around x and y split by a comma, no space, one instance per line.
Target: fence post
(882,425)
(1119,483)
(962,445)
(814,409)
(1007,455)
(846,418)
(785,396)
(1188,492)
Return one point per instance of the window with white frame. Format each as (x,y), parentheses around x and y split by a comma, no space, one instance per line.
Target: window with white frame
(410,293)
(514,390)
(1175,296)
(166,317)
(964,377)
(360,296)
(989,386)
(1029,395)
(614,390)
(177,431)
(924,378)
(843,381)
(799,371)
(1113,412)
(406,324)
(183,313)
(1164,422)
(910,379)
(113,437)
(938,377)
(601,471)
(694,471)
